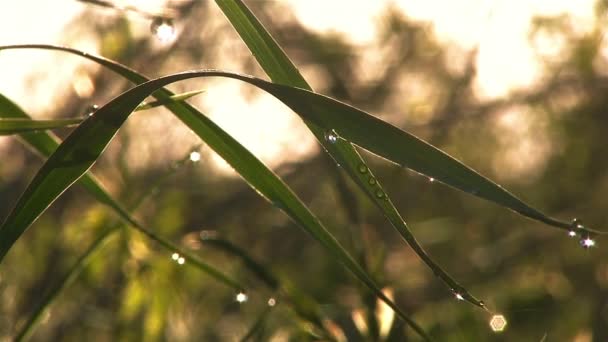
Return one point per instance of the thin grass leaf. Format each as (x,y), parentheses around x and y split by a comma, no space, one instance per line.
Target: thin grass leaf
(45,144)
(11,126)
(83,146)
(258,326)
(281,70)
(18,126)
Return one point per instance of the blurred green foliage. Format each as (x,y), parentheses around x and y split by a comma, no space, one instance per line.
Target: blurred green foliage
(540,279)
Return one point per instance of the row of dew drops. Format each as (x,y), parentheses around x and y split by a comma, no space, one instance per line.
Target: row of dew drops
(586,240)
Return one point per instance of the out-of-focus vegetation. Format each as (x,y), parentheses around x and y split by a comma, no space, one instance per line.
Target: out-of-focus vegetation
(545,143)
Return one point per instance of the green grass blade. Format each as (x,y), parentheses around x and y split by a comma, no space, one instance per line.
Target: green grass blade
(84,145)
(45,144)
(18,125)
(281,70)
(11,126)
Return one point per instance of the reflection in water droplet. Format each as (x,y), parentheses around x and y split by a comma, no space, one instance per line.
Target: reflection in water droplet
(587,242)
(241,297)
(195,156)
(181,260)
(272,301)
(458,296)
(163,29)
(175,256)
(331,136)
(431,179)
(362,168)
(91,110)
(572,233)
(371,181)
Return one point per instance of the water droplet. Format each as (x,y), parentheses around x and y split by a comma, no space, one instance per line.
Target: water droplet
(181,260)
(195,156)
(458,296)
(175,256)
(587,242)
(331,136)
(371,181)
(431,179)
(163,29)
(498,323)
(482,304)
(571,233)
(241,297)
(91,110)
(379,193)
(272,301)
(362,168)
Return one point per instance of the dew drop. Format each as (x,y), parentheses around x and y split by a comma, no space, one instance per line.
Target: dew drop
(458,296)
(163,29)
(181,260)
(175,256)
(195,156)
(91,110)
(498,323)
(371,181)
(362,168)
(272,301)
(379,193)
(577,224)
(431,179)
(571,233)
(331,136)
(241,297)
(587,242)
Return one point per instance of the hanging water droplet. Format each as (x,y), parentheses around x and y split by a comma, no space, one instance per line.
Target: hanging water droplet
(362,168)
(181,260)
(163,29)
(331,136)
(371,181)
(431,179)
(577,224)
(175,256)
(458,296)
(587,242)
(572,233)
(241,297)
(482,304)
(91,110)
(195,156)
(272,301)
(379,193)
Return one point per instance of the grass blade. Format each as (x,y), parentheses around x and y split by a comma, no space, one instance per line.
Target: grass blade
(11,126)
(18,126)
(281,70)
(83,146)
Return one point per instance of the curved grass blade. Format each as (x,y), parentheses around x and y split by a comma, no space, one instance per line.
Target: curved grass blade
(83,146)
(45,144)
(18,126)
(281,70)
